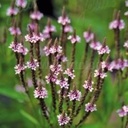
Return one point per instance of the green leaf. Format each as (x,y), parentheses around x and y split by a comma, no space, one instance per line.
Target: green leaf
(29,117)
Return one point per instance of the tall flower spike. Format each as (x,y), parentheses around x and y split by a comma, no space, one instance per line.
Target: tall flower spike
(63,19)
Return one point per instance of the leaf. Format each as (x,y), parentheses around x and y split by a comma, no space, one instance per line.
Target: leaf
(29,117)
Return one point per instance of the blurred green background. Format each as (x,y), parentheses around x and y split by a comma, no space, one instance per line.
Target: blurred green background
(15,111)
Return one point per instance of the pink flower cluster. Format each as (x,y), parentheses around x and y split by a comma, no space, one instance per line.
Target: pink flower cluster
(100,73)
(88,85)
(64,20)
(40,93)
(19,68)
(63,119)
(19,48)
(90,107)
(21,3)
(123,111)
(15,30)
(36,15)
(32,64)
(88,36)
(74,95)
(12,11)
(74,39)
(70,73)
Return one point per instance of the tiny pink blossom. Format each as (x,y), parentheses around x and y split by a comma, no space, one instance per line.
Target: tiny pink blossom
(100,73)
(61,58)
(63,20)
(56,69)
(15,46)
(74,39)
(107,66)
(63,119)
(33,64)
(40,93)
(123,111)
(90,107)
(36,15)
(63,83)
(126,44)
(88,85)
(46,50)
(51,78)
(49,29)
(21,3)
(88,36)
(15,31)
(31,26)
(22,50)
(68,28)
(70,73)
(103,50)
(12,11)
(19,68)
(117,24)
(74,95)
(95,45)
(34,38)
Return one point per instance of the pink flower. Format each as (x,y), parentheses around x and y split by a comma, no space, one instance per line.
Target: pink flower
(117,24)
(22,50)
(34,38)
(103,50)
(15,31)
(33,64)
(40,93)
(61,58)
(49,29)
(46,50)
(100,73)
(19,68)
(56,69)
(36,15)
(12,11)
(51,78)
(67,28)
(31,26)
(70,73)
(63,119)
(15,46)
(63,20)
(90,107)
(95,45)
(123,111)
(63,83)
(74,95)
(74,39)
(88,36)
(106,66)
(21,3)
(126,44)
(88,85)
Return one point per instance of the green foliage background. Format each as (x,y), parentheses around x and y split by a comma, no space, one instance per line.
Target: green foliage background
(15,111)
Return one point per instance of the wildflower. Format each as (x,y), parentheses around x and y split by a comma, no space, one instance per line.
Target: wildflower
(100,73)
(74,39)
(51,78)
(106,66)
(74,95)
(63,83)
(19,68)
(49,29)
(32,64)
(61,58)
(15,46)
(70,73)
(56,69)
(12,11)
(117,24)
(34,38)
(63,20)
(103,49)
(126,44)
(15,31)
(95,45)
(68,28)
(90,107)
(63,119)
(88,36)
(40,93)
(21,3)
(123,111)
(88,85)
(22,50)
(36,15)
